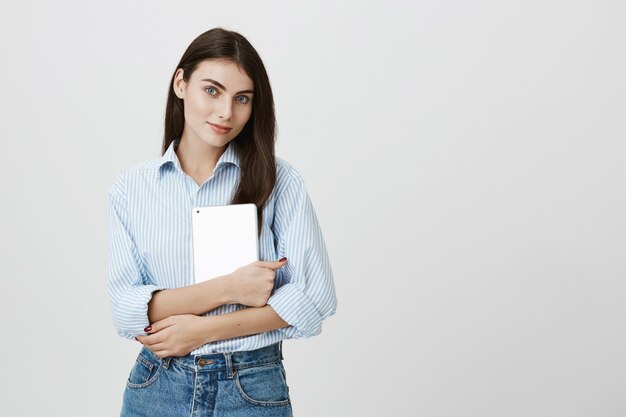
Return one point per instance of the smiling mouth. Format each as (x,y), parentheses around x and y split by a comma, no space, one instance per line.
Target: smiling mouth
(219,126)
(219,129)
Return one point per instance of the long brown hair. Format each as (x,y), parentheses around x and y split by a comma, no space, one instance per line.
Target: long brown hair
(256,140)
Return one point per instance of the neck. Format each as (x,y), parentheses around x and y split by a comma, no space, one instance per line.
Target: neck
(197,157)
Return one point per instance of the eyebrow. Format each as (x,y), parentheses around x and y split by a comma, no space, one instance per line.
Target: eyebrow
(224,88)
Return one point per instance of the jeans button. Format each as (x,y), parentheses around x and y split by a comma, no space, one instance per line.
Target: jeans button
(204,362)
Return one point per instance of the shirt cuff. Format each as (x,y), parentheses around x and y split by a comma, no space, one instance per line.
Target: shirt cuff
(294,307)
(130,313)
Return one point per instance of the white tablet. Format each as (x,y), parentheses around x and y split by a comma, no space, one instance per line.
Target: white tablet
(224,238)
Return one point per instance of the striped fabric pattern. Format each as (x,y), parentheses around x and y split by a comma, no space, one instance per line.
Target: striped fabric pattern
(150,246)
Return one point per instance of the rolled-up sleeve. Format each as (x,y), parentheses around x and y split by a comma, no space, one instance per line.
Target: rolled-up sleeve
(308,295)
(128,292)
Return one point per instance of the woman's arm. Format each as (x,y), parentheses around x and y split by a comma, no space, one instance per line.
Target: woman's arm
(249,285)
(180,334)
(243,322)
(193,299)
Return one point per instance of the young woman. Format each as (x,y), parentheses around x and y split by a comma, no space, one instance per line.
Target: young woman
(214,348)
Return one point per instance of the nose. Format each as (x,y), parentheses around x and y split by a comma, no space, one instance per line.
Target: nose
(226,108)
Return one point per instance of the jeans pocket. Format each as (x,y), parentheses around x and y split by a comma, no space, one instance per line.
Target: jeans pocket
(263,385)
(145,370)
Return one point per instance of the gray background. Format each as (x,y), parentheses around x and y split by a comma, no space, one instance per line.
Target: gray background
(465,159)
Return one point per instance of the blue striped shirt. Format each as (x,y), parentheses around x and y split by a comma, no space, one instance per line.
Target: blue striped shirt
(150,246)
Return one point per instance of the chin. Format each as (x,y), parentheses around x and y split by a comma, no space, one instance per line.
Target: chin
(218,142)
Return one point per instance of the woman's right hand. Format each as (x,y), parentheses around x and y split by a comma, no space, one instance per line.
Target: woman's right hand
(252,284)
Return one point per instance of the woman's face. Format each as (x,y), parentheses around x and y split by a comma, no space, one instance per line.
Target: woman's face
(217,100)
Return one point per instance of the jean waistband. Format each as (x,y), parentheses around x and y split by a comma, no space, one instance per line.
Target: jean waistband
(226,361)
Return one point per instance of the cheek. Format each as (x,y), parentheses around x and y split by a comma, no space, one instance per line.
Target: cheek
(244,116)
(196,106)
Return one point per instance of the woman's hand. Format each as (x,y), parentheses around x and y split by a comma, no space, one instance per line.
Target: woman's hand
(175,335)
(252,284)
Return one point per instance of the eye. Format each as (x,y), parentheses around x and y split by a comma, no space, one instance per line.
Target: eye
(242,99)
(211,90)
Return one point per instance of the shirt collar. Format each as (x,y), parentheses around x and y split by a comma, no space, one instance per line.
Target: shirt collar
(230,155)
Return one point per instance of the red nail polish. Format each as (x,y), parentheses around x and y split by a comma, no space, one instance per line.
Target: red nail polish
(284,259)
(147,329)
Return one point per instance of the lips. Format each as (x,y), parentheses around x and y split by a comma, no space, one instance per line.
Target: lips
(220,127)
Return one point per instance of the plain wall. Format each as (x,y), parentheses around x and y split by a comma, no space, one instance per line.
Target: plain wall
(465,160)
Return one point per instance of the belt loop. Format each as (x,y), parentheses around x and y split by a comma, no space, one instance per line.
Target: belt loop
(166,362)
(229,365)
(280,349)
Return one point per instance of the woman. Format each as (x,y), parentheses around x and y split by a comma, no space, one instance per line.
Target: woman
(214,347)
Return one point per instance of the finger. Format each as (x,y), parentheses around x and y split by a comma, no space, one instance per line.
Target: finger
(141,340)
(272,264)
(162,353)
(159,325)
(150,339)
(159,346)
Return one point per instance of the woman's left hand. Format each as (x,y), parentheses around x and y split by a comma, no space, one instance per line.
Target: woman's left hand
(175,335)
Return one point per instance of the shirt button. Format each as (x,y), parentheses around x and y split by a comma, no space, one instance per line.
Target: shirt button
(204,362)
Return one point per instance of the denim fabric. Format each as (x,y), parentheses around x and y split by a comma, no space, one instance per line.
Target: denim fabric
(243,383)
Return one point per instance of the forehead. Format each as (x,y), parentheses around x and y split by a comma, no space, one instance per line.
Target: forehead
(225,72)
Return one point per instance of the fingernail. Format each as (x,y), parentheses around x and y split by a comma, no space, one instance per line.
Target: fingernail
(284,259)
(147,329)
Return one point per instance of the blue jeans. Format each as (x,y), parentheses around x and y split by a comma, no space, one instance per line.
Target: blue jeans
(241,384)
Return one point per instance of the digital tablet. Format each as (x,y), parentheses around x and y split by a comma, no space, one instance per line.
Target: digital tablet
(224,238)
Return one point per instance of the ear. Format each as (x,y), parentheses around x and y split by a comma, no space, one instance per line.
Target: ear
(179,85)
